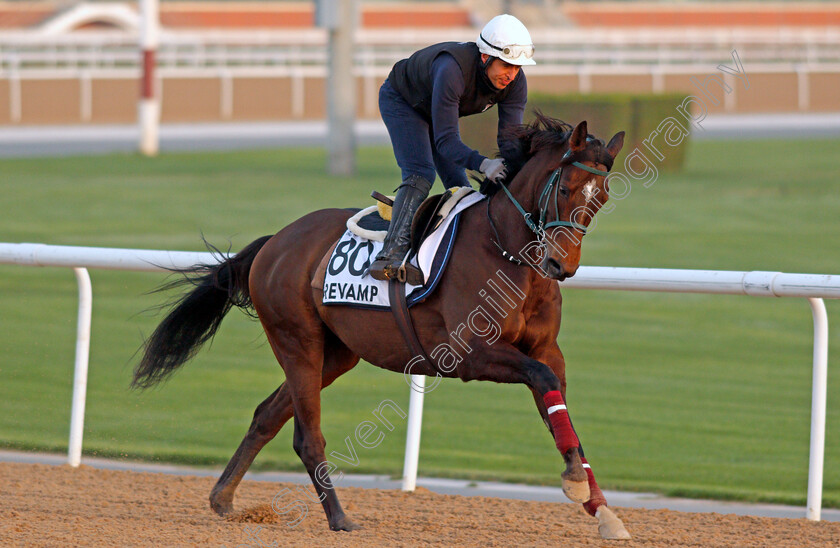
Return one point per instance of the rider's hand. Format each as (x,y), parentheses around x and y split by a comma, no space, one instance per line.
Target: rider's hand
(494,169)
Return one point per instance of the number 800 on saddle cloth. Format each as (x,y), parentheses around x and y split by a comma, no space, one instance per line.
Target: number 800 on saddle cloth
(346,281)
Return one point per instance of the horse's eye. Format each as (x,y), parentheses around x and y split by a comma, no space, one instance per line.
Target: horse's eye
(564,192)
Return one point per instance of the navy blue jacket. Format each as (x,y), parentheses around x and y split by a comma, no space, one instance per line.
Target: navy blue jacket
(446,81)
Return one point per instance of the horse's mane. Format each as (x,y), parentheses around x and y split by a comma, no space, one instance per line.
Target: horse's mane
(521,142)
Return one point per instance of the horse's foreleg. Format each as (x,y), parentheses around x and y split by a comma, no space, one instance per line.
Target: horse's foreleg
(548,388)
(609,525)
(576,483)
(509,365)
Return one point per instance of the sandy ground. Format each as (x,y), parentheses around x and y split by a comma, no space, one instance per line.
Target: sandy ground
(42,505)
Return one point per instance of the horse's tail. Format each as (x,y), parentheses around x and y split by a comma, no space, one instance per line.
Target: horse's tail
(195,317)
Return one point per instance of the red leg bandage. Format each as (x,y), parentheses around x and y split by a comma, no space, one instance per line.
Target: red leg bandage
(596,497)
(564,434)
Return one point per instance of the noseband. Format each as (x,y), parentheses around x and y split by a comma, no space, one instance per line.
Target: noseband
(539,228)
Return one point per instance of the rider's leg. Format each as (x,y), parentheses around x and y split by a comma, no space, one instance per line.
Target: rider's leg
(410,195)
(409,134)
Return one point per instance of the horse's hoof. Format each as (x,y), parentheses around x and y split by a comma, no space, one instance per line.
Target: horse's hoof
(221,505)
(345,524)
(577,491)
(609,525)
(575,478)
(221,509)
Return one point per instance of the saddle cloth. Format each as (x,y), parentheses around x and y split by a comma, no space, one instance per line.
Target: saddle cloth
(345,281)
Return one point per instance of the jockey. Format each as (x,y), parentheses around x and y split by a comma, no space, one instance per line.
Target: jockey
(421,102)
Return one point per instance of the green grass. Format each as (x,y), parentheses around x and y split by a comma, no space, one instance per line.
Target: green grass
(687,395)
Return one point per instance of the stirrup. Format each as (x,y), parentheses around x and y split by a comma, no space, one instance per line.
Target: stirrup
(409,274)
(405,273)
(383,271)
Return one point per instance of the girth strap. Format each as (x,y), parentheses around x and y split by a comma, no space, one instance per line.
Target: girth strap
(399,307)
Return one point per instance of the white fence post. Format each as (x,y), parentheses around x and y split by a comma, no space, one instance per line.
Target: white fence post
(77,415)
(819,388)
(412,437)
(148,109)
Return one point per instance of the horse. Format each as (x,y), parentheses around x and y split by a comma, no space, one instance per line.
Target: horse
(528,236)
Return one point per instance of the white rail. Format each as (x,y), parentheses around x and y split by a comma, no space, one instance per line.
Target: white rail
(27,50)
(756,283)
(814,287)
(80,259)
(106,258)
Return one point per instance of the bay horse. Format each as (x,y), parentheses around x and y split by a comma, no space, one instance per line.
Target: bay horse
(556,184)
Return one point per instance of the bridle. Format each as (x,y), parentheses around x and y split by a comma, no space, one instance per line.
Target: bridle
(539,227)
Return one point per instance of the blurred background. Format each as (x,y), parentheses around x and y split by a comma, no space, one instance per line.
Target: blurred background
(77,62)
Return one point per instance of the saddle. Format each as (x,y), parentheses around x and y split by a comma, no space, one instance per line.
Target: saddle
(372,222)
(341,274)
(427,218)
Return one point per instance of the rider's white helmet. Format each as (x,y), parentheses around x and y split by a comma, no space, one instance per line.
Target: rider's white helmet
(507,38)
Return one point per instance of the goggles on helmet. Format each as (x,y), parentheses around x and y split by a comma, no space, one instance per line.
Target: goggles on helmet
(513,51)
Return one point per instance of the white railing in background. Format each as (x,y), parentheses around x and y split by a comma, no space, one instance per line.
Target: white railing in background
(80,259)
(583,54)
(23,51)
(814,287)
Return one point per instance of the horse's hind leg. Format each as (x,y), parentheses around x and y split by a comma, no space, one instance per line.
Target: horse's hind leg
(303,376)
(269,418)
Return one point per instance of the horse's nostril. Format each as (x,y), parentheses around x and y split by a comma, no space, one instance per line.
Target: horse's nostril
(555,269)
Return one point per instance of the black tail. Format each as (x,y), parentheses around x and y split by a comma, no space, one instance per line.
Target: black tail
(196,316)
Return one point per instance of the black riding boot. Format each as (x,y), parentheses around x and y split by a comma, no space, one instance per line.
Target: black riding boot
(410,195)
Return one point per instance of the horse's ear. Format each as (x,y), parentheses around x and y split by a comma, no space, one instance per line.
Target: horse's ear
(578,139)
(616,143)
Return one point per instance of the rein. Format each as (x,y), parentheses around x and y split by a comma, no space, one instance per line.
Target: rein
(543,202)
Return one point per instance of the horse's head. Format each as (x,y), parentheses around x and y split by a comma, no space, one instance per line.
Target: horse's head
(560,180)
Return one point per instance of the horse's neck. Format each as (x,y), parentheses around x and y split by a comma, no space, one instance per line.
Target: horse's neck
(515,236)
(513,229)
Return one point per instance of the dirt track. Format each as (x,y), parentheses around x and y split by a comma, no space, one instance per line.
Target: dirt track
(43,505)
